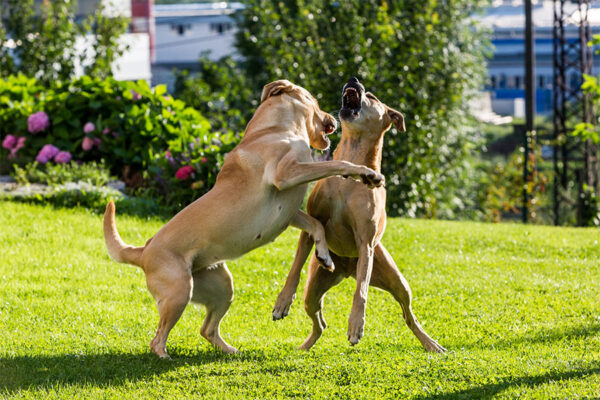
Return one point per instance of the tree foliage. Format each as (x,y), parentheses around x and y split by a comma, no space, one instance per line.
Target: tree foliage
(43,45)
(220,91)
(424,60)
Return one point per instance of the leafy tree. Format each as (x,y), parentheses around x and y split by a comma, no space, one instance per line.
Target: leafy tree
(424,60)
(105,33)
(43,46)
(220,91)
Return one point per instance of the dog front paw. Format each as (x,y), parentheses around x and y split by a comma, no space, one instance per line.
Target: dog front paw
(373,179)
(282,306)
(356,329)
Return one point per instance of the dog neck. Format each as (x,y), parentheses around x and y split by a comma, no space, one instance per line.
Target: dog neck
(360,149)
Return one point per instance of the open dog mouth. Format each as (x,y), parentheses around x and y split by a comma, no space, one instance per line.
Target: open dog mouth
(351,103)
(351,99)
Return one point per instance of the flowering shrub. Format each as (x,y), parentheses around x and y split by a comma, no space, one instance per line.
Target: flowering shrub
(127,124)
(138,132)
(188,169)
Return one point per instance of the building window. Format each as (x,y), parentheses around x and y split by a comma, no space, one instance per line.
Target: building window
(518,82)
(502,81)
(220,27)
(510,82)
(493,82)
(181,28)
(541,81)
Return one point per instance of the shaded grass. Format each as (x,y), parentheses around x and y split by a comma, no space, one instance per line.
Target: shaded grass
(516,306)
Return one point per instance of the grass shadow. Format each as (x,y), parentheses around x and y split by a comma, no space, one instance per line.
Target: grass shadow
(102,370)
(491,390)
(545,335)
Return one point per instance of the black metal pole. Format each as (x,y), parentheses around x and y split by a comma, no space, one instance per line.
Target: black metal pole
(529,102)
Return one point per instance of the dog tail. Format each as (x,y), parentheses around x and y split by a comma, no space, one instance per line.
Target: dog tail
(117,249)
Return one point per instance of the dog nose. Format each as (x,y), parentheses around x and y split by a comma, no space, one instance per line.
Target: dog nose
(353,80)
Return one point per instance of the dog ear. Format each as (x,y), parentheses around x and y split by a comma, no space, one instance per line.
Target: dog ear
(397,119)
(275,88)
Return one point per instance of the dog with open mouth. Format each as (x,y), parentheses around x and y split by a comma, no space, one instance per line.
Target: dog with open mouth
(354,218)
(257,194)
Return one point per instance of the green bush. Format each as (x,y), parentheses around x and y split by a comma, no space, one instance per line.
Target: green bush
(501,186)
(55,174)
(221,92)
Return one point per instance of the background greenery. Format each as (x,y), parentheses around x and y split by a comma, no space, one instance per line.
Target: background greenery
(424,61)
(43,45)
(516,306)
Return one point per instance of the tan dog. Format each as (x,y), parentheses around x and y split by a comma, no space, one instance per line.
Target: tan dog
(354,219)
(257,194)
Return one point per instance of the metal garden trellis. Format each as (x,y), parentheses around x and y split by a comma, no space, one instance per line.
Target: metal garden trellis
(575,163)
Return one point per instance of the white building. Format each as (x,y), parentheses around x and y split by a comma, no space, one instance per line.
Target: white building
(185,31)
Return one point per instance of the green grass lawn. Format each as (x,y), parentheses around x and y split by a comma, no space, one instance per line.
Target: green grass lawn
(517,307)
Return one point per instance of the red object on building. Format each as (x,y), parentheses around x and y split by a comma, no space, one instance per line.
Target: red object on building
(142,21)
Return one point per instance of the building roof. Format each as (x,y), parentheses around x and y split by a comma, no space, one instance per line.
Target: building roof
(196,9)
(510,14)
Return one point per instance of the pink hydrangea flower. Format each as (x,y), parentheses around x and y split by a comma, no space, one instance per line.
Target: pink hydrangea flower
(20,144)
(184,172)
(13,143)
(63,157)
(47,153)
(37,122)
(87,144)
(89,127)
(135,95)
(204,159)
(9,142)
(105,131)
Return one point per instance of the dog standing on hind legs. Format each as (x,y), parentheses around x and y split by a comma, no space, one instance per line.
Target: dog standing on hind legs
(258,193)
(354,219)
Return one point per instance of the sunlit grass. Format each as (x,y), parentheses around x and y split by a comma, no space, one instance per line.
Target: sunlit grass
(518,308)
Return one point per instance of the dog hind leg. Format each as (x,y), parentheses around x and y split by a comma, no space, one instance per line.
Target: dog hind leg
(288,292)
(386,276)
(318,283)
(213,287)
(172,290)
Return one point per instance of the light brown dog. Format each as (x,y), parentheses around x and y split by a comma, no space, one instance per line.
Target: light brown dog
(354,219)
(257,194)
